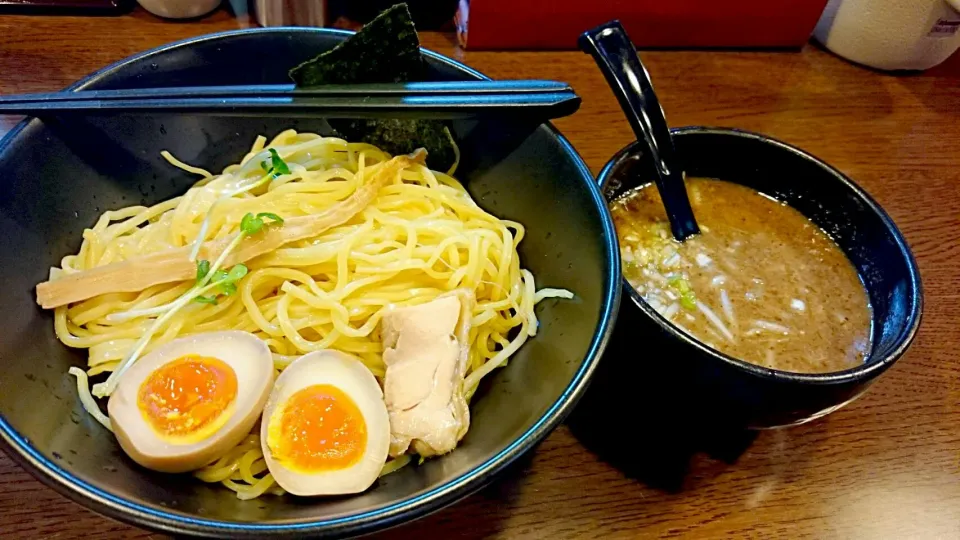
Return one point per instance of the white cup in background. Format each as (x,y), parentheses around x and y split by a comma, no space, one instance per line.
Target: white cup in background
(179,9)
(891,34)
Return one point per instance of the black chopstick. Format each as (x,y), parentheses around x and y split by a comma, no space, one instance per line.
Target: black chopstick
(439,100)
(286,90)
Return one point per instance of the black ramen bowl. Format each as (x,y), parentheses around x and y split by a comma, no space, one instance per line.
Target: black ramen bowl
(678,374)
(60,174)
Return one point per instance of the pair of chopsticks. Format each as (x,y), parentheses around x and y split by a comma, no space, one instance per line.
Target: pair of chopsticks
(427,100)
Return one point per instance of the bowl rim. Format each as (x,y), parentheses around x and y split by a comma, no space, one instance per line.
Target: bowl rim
(862,372)
(94,498)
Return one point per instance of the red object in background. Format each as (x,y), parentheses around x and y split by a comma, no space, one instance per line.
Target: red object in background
(556,24)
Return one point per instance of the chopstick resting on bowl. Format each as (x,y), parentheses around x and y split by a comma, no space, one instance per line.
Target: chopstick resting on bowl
(531,99)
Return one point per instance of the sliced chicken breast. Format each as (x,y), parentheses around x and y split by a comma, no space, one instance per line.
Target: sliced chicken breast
(425,349)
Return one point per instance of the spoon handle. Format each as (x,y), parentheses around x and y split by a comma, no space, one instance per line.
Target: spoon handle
(617,58)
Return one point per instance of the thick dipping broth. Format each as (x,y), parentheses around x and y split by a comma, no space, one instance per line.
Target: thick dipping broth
(761,282)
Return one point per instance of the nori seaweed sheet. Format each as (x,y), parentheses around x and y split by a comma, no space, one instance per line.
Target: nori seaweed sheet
(385,50)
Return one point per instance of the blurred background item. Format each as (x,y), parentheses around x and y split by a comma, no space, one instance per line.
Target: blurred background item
(76,7)
(179,9)
(350,14)
(427,14)
(556,24)
(891,34)
(290,12)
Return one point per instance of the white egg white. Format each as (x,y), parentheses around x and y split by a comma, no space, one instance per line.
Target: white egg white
(251,361)
(351,377)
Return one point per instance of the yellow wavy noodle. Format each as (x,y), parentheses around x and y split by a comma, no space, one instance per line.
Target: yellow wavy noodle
(422,236)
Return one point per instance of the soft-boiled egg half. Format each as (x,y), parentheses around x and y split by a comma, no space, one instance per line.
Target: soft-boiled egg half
(325,428)
(191,400)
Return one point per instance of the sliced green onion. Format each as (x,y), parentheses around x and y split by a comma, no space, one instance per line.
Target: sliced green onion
(688,300)
(271,216)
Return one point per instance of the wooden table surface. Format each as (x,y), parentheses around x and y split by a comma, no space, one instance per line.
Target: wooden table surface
(887,466)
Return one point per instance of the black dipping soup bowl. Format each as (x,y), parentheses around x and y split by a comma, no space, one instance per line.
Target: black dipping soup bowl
(705,386)
(59,175)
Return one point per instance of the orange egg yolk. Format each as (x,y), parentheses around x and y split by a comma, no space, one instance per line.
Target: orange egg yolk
(186,395)
(319,429)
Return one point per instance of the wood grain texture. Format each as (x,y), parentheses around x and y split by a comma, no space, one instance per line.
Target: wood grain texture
(887,466)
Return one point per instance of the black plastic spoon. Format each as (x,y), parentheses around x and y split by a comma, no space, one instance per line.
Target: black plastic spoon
(618,60)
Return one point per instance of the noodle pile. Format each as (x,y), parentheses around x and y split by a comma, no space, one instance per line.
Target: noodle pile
(421,236)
